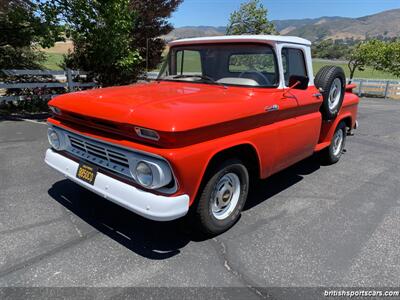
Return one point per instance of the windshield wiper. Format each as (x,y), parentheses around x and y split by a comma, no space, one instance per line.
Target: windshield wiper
(203,77)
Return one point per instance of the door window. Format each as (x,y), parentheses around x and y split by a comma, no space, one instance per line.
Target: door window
(293,63)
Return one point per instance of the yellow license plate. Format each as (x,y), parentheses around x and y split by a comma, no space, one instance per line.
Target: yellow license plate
(86,172)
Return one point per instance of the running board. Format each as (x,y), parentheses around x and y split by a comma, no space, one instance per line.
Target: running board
(321,146)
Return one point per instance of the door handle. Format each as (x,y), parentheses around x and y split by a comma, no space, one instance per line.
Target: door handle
(272,108)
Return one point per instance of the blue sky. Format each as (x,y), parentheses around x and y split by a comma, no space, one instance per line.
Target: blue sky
(216,12)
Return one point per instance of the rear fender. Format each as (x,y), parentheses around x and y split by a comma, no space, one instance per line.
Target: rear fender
(348,113)
(328,129)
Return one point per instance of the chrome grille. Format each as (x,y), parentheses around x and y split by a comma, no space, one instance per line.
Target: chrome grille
(99,153)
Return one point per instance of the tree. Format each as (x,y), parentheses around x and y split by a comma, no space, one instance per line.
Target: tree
(251,18)
(391,58)
(152,22)
(366,53)
(380,55)
(23,26)
(329,49)
(110,36)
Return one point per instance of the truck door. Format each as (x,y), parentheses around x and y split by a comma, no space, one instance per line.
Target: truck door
(299,129)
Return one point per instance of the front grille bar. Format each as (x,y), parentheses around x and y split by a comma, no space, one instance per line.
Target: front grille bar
(100,154)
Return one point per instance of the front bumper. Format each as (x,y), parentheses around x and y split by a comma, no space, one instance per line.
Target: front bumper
(146,204)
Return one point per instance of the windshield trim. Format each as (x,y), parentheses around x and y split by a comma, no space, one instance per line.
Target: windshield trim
(276,85)
(225,84)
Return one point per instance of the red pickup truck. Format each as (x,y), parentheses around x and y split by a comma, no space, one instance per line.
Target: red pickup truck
(223,112)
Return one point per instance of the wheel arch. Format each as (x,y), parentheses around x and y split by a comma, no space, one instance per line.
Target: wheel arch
(328,128)
(347,120)
(246,152)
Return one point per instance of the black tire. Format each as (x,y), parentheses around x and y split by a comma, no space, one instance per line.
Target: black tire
(331,155)
(324,80)
(204,218)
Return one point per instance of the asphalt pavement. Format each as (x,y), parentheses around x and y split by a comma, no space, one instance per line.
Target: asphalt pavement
(308,226)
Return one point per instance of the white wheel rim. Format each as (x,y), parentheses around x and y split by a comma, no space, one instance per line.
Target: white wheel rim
(225,196)
(335,93)
(337,142)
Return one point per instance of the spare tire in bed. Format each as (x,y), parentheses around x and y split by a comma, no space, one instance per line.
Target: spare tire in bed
(331,82)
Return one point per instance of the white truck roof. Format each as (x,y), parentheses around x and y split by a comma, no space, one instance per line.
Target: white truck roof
(243,38)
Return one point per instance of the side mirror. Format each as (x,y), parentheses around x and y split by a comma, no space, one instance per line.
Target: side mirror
(298,82)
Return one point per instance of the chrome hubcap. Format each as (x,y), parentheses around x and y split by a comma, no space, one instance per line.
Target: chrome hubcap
(337,142)
(225,196)
(335,93)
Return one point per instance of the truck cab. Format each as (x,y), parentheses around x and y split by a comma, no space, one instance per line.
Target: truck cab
(223,112)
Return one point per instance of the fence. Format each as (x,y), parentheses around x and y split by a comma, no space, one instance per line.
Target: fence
(65,79)
(60,79)
(151,75)
(377,88)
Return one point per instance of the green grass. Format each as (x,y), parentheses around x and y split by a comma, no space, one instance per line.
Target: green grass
(53,60)
(191,61)
(368,73)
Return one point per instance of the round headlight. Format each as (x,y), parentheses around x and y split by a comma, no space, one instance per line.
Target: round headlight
(55,110)
(54,139)
(144,174)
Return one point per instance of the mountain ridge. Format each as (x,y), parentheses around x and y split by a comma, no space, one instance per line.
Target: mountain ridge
(382,25)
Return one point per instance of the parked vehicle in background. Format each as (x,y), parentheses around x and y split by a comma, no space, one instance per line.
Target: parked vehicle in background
(223,112)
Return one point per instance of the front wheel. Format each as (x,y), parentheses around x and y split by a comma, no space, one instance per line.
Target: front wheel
(222,198)
(333,153)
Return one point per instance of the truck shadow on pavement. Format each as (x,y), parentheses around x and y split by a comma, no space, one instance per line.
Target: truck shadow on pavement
(264,189)
(154,240)
(158,240)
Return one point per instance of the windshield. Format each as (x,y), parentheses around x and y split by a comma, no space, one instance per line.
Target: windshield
(227,64)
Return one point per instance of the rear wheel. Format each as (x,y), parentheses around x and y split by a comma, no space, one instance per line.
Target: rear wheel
(222,198)
(332,154)
(331,81)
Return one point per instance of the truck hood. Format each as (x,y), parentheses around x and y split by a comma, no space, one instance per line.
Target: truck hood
(164,106)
